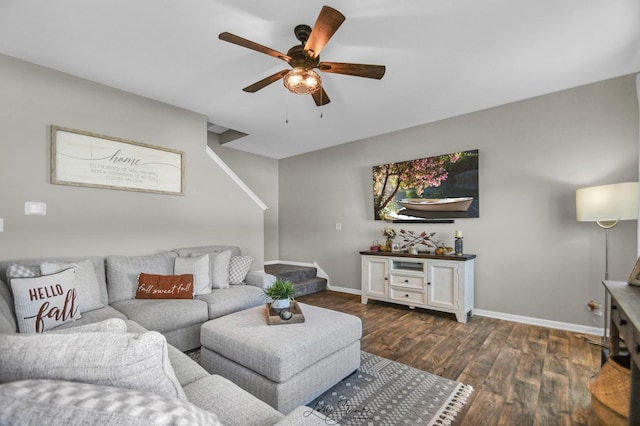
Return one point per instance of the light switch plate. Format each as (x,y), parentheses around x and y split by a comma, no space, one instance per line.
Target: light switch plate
(1,224)
(35,208)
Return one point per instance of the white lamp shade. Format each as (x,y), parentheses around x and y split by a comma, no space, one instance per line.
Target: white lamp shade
(607,202)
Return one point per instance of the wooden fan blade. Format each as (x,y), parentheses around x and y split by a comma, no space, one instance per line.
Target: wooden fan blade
(358,70)
(265,82)
(326,25)
(320,97)
(232,38)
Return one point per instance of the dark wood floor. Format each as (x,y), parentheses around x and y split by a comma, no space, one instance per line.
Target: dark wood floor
(522,374)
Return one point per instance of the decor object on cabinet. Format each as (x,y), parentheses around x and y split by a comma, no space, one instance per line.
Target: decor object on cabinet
(81,158)
(634,278)
(412,238)
(440,187)
(458,243)
(606,205)
(389,234)
(281,293)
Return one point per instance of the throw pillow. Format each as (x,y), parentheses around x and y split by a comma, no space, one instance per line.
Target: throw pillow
(239,268)
(151,286)
(42,303)
(22,271)
(220,268)
(199,267)
(218,263)
(126,360)
(87,285)
(63,403)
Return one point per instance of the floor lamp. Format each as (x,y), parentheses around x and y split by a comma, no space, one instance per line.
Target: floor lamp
(606,205)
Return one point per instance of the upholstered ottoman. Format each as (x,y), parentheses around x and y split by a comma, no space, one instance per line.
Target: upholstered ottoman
(285,365)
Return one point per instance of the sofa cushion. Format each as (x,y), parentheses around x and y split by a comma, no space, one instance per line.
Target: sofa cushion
(91,317)
(122,272)
(187,370)
(232,405)
(132,361)
(199,267)
(239,268)
(44,302)
(55,402)
(164,315)
(236,298)
(153,286)
(87,284)
(112,325)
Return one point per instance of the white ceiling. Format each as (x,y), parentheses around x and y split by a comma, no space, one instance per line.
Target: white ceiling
(444,57)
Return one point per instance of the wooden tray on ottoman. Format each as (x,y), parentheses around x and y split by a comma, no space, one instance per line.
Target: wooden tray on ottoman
(274,318)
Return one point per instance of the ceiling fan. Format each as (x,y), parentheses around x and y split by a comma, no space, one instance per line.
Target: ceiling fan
(304,57)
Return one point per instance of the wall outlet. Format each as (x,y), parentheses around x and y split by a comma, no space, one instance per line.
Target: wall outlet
(338,227)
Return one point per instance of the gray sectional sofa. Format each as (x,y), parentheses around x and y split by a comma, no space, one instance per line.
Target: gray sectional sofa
(166,326)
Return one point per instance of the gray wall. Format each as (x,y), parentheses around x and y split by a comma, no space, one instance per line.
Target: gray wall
(98,221)
(261,175)
(534,258)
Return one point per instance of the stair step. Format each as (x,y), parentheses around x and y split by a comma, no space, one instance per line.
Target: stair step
(292,273)
(304,278)
(312,285)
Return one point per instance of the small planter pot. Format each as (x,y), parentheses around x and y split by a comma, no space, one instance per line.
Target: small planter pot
(280,304)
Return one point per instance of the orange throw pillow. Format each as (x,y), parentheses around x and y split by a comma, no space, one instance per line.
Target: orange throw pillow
(152,286)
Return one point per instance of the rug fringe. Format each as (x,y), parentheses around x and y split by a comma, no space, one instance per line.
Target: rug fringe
(447,414)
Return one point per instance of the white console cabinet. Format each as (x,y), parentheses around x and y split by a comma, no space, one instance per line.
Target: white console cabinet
(442,283)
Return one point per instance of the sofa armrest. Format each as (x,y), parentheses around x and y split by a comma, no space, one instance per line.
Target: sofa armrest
(259,279)
(306,416)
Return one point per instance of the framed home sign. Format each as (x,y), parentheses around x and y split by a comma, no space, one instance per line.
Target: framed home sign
(87,159)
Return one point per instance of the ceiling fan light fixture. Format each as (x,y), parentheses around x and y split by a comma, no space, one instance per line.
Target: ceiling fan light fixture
(302,81)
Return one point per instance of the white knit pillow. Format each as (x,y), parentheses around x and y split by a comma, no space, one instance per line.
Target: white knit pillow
(45,302)
(198,266)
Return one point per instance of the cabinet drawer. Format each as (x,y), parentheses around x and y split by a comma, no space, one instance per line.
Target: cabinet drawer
(407,281)
(621,322)
(407,296)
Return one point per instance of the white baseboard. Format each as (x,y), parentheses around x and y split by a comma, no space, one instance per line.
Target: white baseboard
(576,328)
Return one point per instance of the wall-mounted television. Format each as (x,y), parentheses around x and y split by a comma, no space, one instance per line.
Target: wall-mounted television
(431,189)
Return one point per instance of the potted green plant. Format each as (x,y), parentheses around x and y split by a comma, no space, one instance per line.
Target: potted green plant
(281,293)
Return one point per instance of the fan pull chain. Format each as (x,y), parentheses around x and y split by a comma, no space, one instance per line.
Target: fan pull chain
(286,116)
(321,103)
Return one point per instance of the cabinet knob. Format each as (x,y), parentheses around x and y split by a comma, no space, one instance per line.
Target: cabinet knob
(406,295)
(406,281)
(385,278)
(623,321)
(428,283)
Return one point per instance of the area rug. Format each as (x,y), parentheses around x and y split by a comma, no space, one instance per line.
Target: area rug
(383,392)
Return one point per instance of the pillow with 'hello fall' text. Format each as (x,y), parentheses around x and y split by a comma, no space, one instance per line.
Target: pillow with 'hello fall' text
(45,302)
